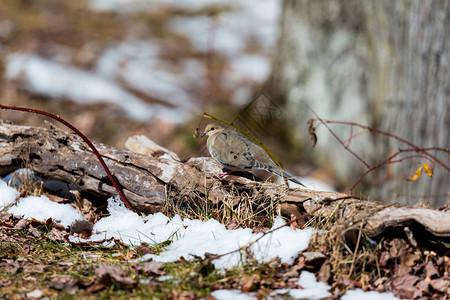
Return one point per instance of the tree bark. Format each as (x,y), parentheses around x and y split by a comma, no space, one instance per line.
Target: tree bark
(385,64)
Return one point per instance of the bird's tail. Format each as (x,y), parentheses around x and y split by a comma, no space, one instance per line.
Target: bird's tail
(292,178)
(277,171)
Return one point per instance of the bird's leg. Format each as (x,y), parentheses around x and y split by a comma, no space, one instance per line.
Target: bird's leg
(225,173)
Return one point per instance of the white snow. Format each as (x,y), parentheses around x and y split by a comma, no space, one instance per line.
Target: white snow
(359,294)
(41,208)
(310,288)
(232,294)
(7,194)
(195,238)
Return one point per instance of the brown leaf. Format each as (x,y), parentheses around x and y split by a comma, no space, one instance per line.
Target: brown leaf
(247,283)
(410,259)
(324,272)
(441,284)
(144,248)
(431,270)
(64,283)
(396,249)
(186,295)
(404,286)
(422,286)
(22,224)
(384,258)
(150,267)
(232,225)
(416,174)
(312,132)
(82,227)
(107,275)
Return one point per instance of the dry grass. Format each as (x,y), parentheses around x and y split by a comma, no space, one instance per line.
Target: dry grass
(244,207)
(352,255)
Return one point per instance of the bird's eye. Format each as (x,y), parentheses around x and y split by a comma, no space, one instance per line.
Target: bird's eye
(212,128)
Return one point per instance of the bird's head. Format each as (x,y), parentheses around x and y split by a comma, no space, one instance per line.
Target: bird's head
(212,128)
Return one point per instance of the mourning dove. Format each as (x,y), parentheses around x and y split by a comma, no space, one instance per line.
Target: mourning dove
(236,152)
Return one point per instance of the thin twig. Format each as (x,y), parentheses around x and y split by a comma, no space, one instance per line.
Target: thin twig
(324,122)
(370,129)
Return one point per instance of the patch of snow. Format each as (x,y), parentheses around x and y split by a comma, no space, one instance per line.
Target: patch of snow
(7,194)
(359,294)
(233,294)
(311,288)
(195,238)
(41,208)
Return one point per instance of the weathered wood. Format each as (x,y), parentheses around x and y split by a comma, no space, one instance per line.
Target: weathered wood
(149,181)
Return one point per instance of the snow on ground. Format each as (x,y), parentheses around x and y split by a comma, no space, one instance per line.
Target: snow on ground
(232,294)
(311,289)
(196,238)
(189,237)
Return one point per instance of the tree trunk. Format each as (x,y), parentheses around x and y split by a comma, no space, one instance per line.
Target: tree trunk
(385,64)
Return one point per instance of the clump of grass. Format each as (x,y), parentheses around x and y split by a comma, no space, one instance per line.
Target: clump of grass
(26,183)
(352,255)
(244,207)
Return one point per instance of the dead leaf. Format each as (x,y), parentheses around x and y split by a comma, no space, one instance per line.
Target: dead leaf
(441,284)
(411,258)
(431,270)
(82,227)
(150,267)
(65,283)
(324,273)
(107,275)
(144,248)
(384,258)
(416,174)
(397,248)
(404,286)
(312,132)
(22,224)
(232,225)
(186,295)
(247,283)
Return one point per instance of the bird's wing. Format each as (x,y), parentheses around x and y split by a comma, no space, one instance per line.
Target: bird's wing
(231,150)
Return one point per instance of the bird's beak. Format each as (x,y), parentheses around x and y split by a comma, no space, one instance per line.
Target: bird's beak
(203,134)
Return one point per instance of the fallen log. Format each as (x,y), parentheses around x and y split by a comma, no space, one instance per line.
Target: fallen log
(149,181)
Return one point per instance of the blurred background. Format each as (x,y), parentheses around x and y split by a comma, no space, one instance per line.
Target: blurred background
(117,68)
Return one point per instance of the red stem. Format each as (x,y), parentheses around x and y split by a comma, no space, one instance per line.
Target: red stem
(85,139)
